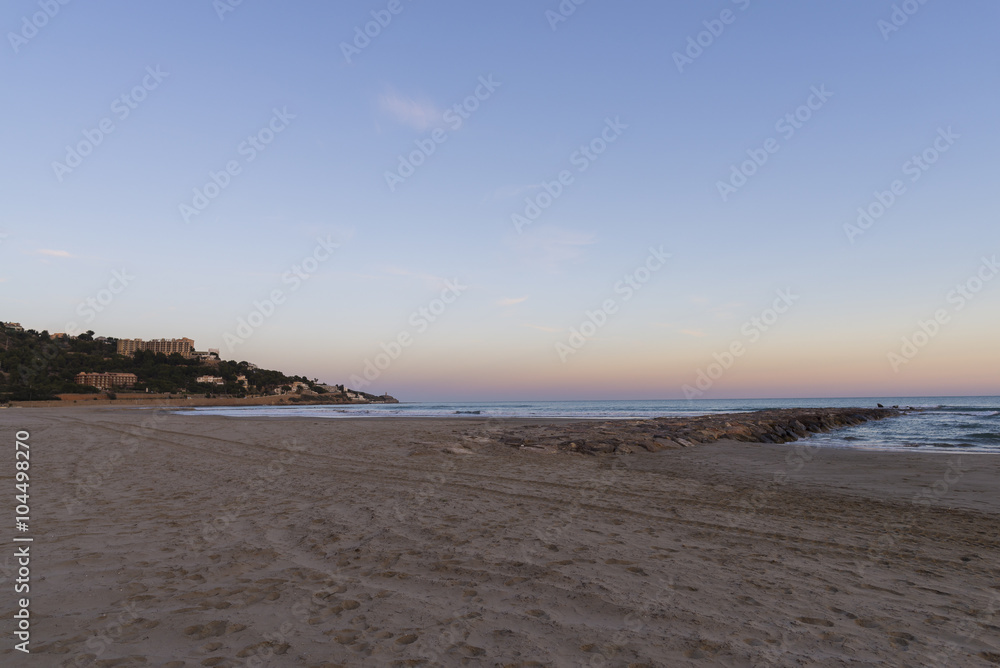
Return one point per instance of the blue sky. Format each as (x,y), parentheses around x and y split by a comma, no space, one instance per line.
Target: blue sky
(553,91)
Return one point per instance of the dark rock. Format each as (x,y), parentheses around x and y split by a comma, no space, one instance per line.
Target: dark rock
(628,436)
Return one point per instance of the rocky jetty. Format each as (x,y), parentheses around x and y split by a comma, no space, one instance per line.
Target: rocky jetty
(628,436)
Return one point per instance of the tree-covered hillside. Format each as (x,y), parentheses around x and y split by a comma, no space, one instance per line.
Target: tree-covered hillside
(35,366)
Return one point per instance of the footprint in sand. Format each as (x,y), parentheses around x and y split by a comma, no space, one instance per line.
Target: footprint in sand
(843,612)
(815,621)
(213,629)
(268,647)
(900,640)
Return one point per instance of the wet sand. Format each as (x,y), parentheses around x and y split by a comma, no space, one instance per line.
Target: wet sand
(181,540)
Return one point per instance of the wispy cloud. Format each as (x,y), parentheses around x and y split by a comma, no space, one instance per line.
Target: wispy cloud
(53,253)
(697,333)
(417,114)
(510,301)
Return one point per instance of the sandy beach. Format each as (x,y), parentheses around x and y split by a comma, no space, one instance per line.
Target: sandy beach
(166,539)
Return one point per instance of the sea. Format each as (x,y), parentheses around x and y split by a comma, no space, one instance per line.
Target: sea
(943,424)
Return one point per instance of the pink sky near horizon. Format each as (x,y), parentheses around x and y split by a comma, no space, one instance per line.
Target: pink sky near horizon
(772,370)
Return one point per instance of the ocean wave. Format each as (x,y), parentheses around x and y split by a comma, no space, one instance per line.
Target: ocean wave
(986,436)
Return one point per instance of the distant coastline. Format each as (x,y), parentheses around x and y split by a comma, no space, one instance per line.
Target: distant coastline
(65,368)
(197,401)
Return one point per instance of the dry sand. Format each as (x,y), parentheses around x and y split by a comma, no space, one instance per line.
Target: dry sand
(180,540)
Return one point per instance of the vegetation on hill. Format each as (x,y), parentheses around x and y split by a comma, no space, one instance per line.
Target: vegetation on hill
(35,366)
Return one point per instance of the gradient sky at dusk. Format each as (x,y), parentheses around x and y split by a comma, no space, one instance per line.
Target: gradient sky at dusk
(555,86)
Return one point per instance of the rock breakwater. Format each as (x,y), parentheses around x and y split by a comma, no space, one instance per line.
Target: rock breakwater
(628,436)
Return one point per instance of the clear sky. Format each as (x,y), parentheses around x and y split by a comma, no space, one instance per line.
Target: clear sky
(629,125)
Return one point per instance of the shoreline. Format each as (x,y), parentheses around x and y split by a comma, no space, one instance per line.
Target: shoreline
(190,402)
(603,435)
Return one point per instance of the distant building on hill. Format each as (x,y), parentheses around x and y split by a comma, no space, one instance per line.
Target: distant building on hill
(297,387)
(16,326)
(210,380)
(183,346)
(210,356)
(105,381)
